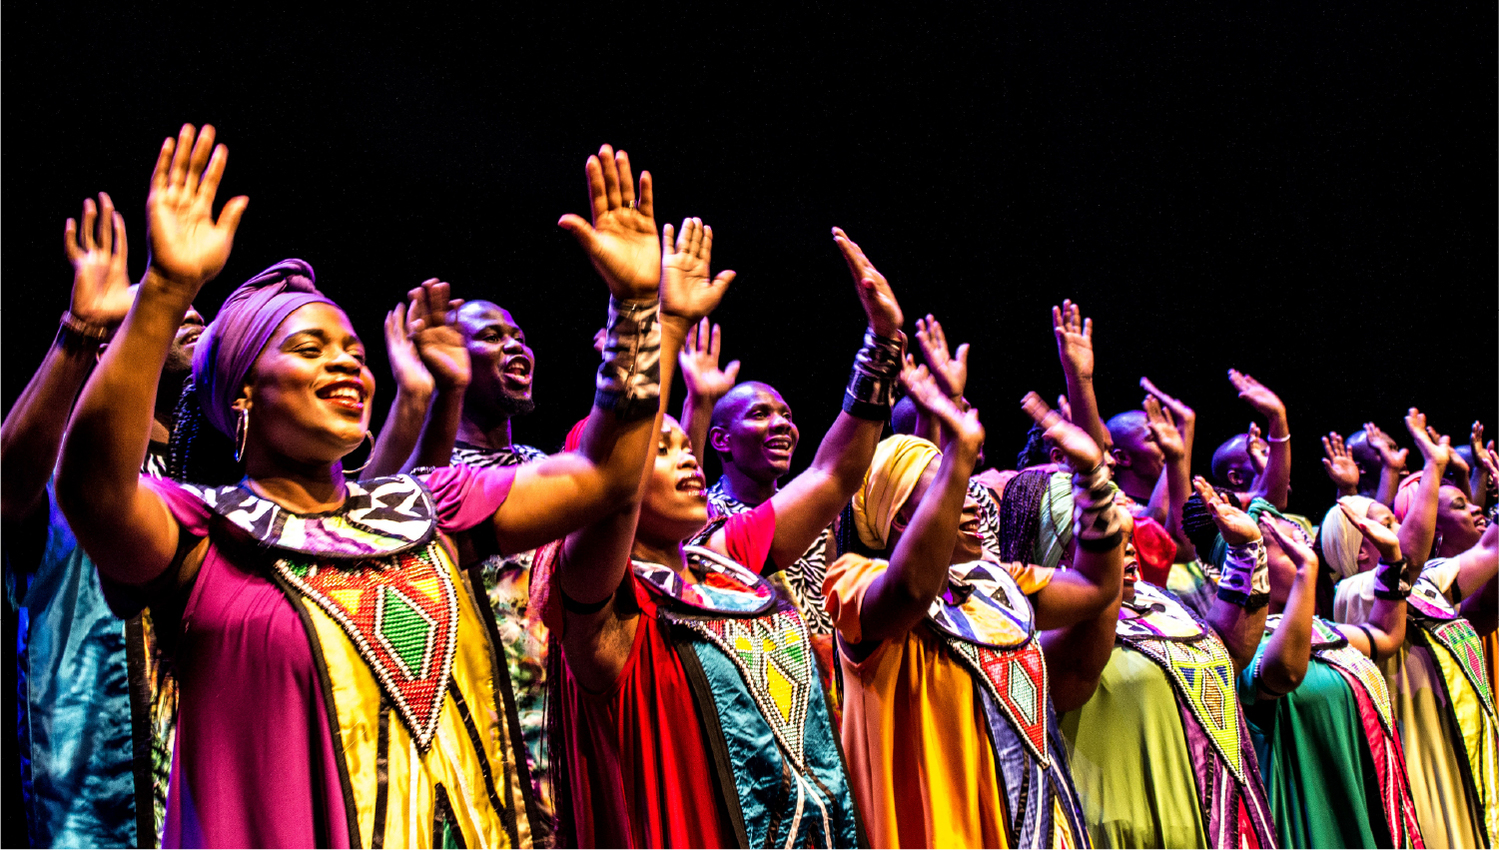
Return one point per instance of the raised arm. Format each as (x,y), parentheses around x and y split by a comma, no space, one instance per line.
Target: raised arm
(125,527)
(811,500)
(706,383)
(1273,484)
(899,597)
(1485,468)
(31,435)
(1170,422)
(1339,464)
(1418,527)
(427,357)
(1386,623)
(552,497)
(1289,651)
(1075,349)
(1238,612)
(1096,577)
(1391,463)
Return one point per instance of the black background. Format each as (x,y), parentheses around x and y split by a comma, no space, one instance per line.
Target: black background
(1305,191)
(1306,194)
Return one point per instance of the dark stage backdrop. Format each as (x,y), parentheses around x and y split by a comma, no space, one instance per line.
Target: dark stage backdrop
(1302,191)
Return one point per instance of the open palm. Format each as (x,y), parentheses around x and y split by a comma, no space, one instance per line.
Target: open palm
(188,246)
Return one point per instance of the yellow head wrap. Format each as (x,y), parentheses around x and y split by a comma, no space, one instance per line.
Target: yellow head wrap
(897,466)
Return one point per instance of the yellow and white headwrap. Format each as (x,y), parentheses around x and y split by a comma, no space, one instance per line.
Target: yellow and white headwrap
(897,466)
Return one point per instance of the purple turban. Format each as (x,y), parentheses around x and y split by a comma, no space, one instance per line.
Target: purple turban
(234,339)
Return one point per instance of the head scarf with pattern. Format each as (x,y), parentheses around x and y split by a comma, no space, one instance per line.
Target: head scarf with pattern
(232,342)
(897,466)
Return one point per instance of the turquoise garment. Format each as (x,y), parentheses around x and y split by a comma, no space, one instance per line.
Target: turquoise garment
(778,805)
(1315,759)
(74,694)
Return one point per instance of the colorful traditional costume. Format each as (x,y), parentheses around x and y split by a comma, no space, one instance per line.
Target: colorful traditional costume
(505,581)
(716,733)
(1444,707)
(1326,745)
(1160,753)
(949,730)
(338,685)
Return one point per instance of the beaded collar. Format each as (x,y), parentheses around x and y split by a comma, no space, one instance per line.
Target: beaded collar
(982,605)
(725,587)
(1162,617)
(1324,635)
(381,517)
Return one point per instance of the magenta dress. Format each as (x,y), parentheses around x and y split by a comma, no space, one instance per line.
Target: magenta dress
(256,762)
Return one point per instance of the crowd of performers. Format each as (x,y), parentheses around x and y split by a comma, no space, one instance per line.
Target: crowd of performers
(231,635)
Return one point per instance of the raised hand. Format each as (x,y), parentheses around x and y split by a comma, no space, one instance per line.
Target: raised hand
(437,341)
(621,242)
(699,362)
(962,430)
(950,370)
(1433,447)
(188,247)
(1294,545)
(1339,463)
(1184,416)
(1074,339)
(1257,394)
(1483,458)
(1384,539)
(405,362)
(1383,443)
(885,317)
(101,282)
(1235,525)
(1163,426)
(686,290)
(1082,452)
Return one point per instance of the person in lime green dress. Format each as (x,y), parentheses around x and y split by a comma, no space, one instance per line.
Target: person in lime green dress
(1317,705)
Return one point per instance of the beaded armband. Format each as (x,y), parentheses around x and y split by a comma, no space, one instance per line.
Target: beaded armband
(872,382)
(1097,522)
(1245,580)
(629,381)
(1390,582)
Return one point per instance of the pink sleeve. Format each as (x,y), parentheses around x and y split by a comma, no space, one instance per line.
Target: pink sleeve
(748,536)
(466,496)
(189,510)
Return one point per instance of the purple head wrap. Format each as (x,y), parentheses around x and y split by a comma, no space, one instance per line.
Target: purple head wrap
(234,339)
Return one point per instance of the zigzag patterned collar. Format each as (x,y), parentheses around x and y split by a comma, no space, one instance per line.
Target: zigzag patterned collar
(384,516)
(726,587)
(984,606)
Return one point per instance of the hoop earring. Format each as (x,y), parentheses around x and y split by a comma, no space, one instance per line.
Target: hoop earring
(241,432)
(370,457)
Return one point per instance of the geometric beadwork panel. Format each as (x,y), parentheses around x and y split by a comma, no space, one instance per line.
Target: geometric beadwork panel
(773,656)
(1017,680)
(1458,637)
(401,613)
(1203,673)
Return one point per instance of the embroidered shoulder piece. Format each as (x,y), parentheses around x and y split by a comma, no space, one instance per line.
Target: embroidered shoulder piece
(386,516)
(1202,673)
(774,657)
(1429,602)
(1017,681)
(1324,634)
(401,613)
(1457,637)
(983,605)
(1161,617)
(1356,665)
(726,587)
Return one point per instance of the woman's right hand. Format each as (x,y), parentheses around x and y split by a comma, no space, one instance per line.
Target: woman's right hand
(1435,448)
(1384,539)
(1082,452)
(188,247)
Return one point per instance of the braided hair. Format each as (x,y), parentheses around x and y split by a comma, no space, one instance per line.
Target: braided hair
(1037,449)
(197,451)
(1020,514)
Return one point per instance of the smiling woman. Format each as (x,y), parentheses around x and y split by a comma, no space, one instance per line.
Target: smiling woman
(339,683)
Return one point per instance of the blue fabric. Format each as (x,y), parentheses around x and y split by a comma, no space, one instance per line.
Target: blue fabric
(1031,789)
(74,691)
(767,792)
